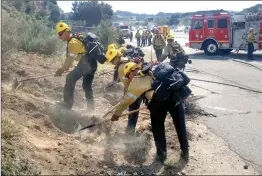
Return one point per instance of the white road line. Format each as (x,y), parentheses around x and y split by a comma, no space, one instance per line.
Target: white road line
(224,109)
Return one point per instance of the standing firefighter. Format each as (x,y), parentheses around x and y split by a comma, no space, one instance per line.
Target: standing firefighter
(131,36)
(166,88)
(158,44)
(250,40)
(143,39)
(175,53)
(138,38)
(149,37)
(85,50)
(146,37)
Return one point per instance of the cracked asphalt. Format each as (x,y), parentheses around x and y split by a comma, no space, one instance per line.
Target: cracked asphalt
(239,112)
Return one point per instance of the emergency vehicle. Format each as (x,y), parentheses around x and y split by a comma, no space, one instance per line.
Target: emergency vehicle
(224,32)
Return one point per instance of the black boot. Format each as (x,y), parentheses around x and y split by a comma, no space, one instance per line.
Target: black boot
(185,155)
(161,156)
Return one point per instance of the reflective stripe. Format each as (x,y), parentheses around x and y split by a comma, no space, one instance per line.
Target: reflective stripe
(132,95)
(158,87)
(72,54)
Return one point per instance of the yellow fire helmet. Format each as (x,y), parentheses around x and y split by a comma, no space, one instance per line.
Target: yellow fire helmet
(130,66)
(61,26)
(111,54)
(111,46)
(170,36)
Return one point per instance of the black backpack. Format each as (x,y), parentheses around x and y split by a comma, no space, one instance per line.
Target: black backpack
(179,59)
(90,41)
(168,82)
(94,48)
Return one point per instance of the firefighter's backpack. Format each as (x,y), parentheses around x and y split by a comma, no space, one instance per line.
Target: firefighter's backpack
(89,41)
(179,59)
(168,82)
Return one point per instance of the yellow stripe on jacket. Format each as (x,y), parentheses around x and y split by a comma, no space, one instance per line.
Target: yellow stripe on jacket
(136,88)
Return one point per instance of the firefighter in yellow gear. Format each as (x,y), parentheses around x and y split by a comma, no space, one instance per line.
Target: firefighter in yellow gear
(158,44)
(114,57)
(86,67)
(121,49)
(140,84)
(250,40)
(171,49)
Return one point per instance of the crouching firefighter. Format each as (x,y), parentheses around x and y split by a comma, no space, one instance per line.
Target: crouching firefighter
(166,89)
(175,53)
(87,51)
(114,57)
(130,52)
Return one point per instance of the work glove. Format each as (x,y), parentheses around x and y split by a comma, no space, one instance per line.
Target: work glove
(59,72)
(114,117)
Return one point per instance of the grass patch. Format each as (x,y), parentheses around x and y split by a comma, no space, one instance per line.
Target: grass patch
(9,131)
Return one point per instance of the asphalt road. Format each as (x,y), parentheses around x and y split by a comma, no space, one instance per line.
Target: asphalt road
(238,111)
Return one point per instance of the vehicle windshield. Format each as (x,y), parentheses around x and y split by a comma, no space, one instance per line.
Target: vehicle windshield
(125,30)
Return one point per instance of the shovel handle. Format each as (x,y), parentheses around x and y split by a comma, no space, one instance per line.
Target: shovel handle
(35,77)
(107,120)
(42,76)
(131,112)
(108,112)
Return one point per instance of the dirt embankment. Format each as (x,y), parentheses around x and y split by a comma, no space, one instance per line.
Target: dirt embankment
(35,142)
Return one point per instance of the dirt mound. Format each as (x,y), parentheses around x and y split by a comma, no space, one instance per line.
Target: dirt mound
(40,139)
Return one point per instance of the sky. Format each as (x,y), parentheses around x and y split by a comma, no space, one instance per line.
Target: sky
(153,7)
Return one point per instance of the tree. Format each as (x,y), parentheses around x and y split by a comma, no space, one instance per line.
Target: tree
(55,14)
(92,12)
(174,20)
(161,21)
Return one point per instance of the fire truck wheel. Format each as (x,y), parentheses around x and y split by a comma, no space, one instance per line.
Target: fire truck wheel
(210,48)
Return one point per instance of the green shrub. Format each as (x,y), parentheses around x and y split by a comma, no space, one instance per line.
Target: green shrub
(37,37)
(24,32)
(106,33)
(10,38)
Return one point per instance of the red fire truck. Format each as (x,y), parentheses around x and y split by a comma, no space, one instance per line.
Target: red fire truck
(224,32)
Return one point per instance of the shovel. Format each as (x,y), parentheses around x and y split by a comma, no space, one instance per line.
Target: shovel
(107,120)
(16,85)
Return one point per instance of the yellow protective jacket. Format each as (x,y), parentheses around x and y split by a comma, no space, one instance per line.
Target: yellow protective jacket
(138,35)
(138,86)
(251,38)
(120,69)
(171,49)
(75,50)
(159,42)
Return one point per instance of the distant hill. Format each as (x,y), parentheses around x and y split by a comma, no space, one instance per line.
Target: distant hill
(182,17)
(253,9)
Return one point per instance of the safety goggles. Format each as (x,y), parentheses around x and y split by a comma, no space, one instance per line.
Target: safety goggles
(61,33)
